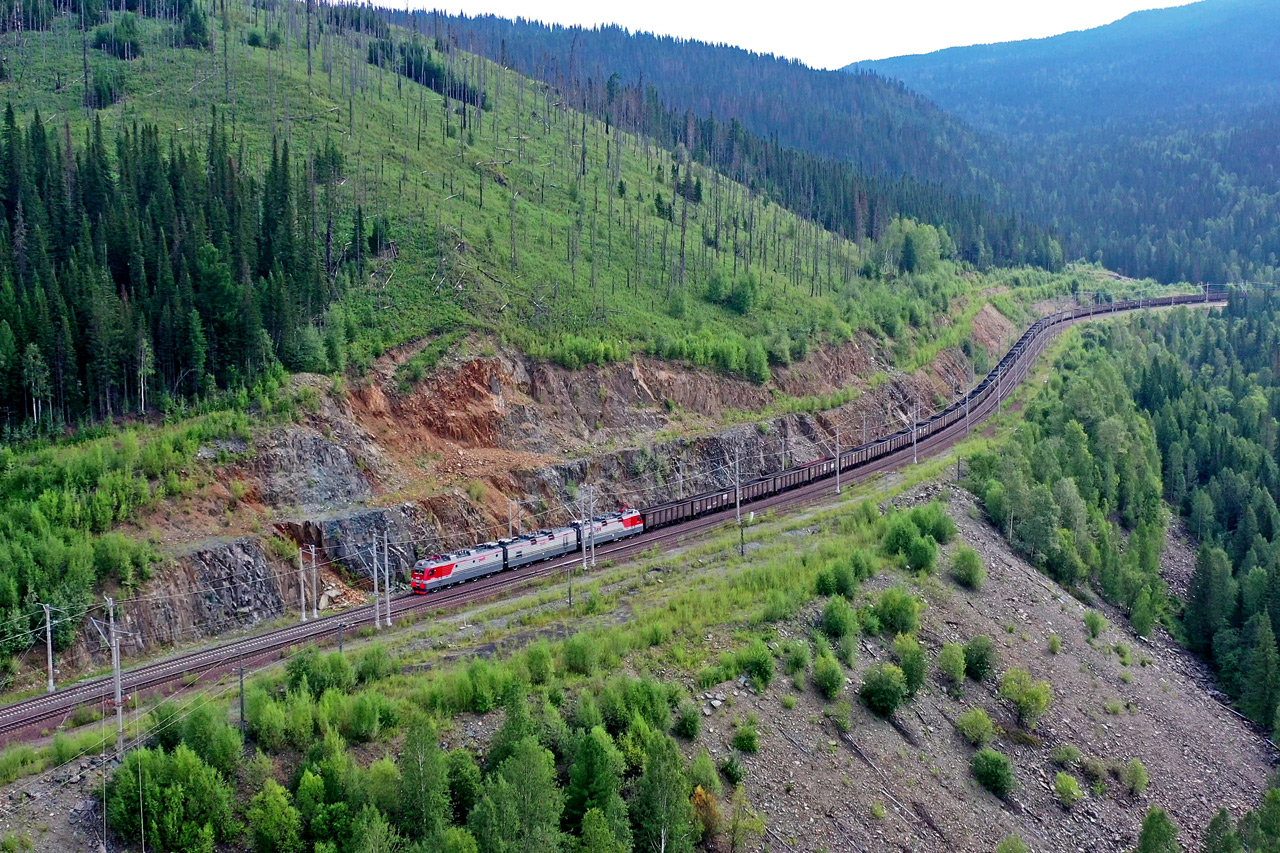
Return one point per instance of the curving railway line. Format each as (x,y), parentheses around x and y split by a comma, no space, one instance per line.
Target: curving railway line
(927,438)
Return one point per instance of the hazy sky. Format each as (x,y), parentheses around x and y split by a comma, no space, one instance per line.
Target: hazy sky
(824,33)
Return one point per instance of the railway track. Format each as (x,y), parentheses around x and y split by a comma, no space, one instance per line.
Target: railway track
(48,710)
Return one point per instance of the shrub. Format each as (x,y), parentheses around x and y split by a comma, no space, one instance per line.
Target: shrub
(1094,769)
(756,662)
(979,657)
(994,771)
(541,664)
(951,663)
(265,720)
(899,535)
(932,521)
(898,611)
(967,568)
(828,676)
(838,619)
(688,720)
(703,773)
(840,579)
(884,688)
(922,555)
(1030,698)
(1065,755)
(1095,623)
(1055,644)
(1013,844)
(912,662)
(1134,776)
(1067,789)
(847,649)
(733,770)
(862,563)
(747,738)
(976,727)
(375,664)
(579,654)
(795,656)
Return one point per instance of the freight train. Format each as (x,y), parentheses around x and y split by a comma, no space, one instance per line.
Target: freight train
(490,557)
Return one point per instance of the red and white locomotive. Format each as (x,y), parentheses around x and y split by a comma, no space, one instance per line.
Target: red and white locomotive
(490,557)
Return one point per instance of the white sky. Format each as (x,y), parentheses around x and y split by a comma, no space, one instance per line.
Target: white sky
(823,33)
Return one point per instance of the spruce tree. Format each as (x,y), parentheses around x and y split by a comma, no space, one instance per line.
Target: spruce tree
(1219,837)
(594,779)
(1210,598)
(1262,672)
(1159,835)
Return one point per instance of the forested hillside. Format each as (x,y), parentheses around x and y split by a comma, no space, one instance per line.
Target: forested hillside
(850,151)
(1121,143)
(1148,144)
(229,193)
(1185,407)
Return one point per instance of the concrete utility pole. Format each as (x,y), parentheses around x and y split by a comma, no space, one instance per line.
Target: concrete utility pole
(837,459)
(592,518)
(510,519)
(112,638)
(386,564)
(48,639)
(315,585)
(737,503)
(302,590)
(915,420)
(377,610)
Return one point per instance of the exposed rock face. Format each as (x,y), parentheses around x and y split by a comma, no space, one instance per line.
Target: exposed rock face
(303,469)
(215,588)
(351,540)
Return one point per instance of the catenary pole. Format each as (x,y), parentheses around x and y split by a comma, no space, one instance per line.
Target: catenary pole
(386,564)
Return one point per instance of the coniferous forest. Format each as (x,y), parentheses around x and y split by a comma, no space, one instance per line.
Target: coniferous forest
(134,266)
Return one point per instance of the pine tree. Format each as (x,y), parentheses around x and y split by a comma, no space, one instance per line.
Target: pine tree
(594,779)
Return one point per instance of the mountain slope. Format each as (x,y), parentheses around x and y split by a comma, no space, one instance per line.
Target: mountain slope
(865,119)
(1181,66)
(1147,145)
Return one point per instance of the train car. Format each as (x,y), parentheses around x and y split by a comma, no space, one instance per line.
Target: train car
(538,546)
(490,557)
(607,528)
(446,569)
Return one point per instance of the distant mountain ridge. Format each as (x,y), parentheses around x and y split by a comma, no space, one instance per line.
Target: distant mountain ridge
(1185,66)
